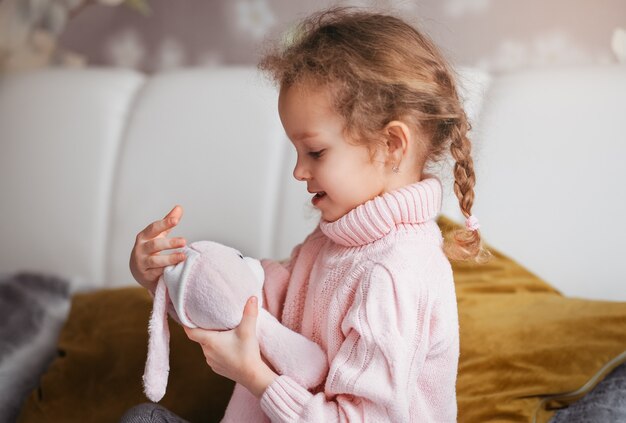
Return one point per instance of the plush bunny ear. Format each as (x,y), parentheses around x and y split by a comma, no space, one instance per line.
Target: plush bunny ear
(158,362)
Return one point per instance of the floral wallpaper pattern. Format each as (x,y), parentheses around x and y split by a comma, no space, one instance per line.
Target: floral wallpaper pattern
(497,36)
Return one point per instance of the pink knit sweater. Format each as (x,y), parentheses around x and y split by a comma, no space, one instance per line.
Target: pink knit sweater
(375,291)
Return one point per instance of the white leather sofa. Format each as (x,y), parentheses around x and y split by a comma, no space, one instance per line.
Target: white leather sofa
(89,157)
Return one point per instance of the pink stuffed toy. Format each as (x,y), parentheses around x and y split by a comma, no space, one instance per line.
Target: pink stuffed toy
(209,289)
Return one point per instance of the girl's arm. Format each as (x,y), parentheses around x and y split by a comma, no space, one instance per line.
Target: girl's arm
(385,362)
(277,275)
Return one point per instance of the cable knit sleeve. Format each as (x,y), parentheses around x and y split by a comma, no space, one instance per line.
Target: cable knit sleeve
(374,376)
(276,280)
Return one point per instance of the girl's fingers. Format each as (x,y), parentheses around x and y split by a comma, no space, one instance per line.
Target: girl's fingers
(174,216)
(162,226)
(157,245)
(176,212)
(192,334)
(156,261)
(157,227)
(154,274)
(247,326)
(202,336)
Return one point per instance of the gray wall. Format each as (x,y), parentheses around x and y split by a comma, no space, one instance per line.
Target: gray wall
(496,35)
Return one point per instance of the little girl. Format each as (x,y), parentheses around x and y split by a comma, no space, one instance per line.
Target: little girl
(368,102)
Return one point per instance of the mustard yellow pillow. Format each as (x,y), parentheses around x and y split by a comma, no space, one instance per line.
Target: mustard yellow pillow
(102,350)
(525,348)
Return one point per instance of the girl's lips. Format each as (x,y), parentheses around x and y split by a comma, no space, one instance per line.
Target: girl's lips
(318,197)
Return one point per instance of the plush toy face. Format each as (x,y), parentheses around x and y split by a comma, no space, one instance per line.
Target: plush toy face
(210,287)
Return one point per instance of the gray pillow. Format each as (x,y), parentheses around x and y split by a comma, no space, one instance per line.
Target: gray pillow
(606,402)
(33,308)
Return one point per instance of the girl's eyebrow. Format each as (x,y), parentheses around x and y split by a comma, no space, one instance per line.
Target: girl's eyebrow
(303,135)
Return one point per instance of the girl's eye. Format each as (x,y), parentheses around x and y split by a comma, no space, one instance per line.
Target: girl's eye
(316,154)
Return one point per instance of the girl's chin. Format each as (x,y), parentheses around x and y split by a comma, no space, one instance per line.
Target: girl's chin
(327,216)
(331,217)
(328,220)
(328,209)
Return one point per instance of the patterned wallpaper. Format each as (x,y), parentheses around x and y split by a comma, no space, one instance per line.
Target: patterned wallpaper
(496,35)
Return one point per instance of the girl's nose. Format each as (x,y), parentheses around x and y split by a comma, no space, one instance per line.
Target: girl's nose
(300,172)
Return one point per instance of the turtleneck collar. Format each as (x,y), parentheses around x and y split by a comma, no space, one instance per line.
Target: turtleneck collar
(415,203)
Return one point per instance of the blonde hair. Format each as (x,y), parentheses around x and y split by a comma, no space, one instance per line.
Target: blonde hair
(381,69)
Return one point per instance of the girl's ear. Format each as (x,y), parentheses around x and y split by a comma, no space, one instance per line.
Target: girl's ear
(399,137)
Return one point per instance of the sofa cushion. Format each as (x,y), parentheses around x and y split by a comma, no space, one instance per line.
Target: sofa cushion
(525,348)
(548,156)
(97,374)
(60,131)
(33,309)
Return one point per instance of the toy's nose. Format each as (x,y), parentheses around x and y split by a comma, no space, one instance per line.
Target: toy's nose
(256,268)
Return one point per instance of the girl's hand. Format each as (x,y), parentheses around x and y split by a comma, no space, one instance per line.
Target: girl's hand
(146,265)
(235,353)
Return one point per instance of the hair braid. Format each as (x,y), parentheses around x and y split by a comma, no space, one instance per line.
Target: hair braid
(464,178)
(463,244)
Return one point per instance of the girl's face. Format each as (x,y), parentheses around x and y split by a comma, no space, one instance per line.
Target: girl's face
(339,174)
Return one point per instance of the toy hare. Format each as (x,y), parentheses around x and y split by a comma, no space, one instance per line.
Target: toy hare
(209,289)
